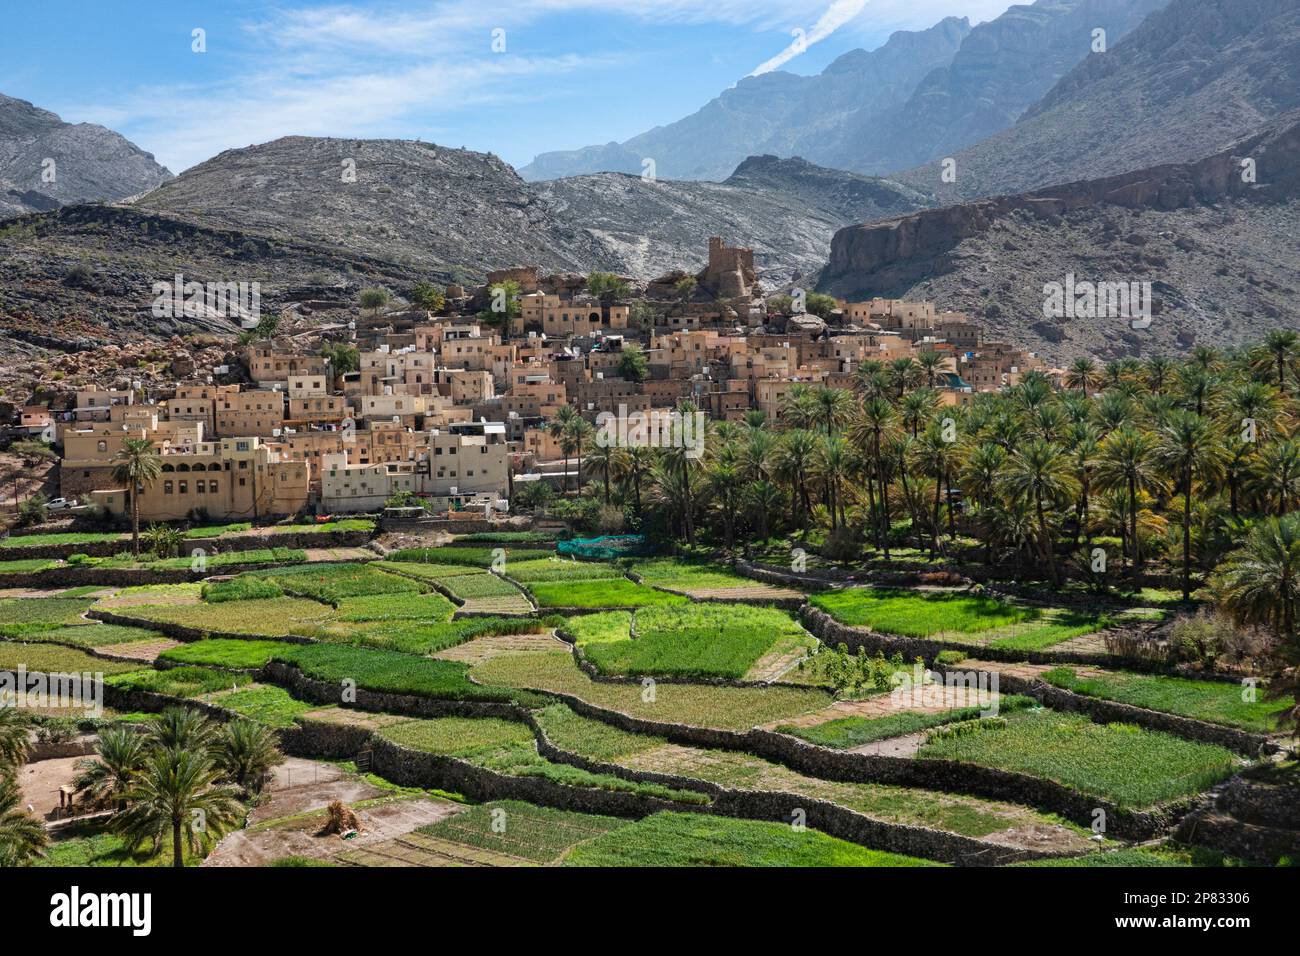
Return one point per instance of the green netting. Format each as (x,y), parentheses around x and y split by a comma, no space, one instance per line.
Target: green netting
(605,548)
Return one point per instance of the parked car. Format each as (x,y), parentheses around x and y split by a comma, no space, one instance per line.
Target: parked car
(60,504)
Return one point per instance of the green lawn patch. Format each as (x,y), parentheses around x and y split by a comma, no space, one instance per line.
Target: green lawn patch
(1122,763)
(270,617)
(91,635)
(178,681)
(848,732)
(391,671)
(693,839)
(1213,701)
(217,530)
(466,556)
(537,834)
(688,575)
(62,537)
(508,748)
(27,565)
(56,659)
(730,708)
(226,653)
(919,614)
(332,583)
(246,587)
(552,569)
(690,640)
(264,703)
(43,613)
(613,592)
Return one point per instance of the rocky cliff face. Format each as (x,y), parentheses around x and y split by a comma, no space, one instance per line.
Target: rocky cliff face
(779,112)
(1002,68)
(1191,79)
(1217,248)
(45,162)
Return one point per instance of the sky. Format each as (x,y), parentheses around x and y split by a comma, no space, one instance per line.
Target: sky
(514,78)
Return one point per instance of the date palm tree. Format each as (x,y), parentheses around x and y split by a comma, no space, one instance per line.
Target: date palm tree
(1259,583)
(833,466)
(636,468)
(245,752)
(795,456)
(1083,375)
(603,459)
(1191,448)
(177,793)
(1041,473)
(763,500)
(120,755)
(13,739)
(22,836)
(135,467)
(1280,347)
(1127,462)
(1276,476)
(181,728)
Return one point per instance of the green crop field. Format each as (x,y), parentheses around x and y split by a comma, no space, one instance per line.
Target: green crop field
(1119,762)
(1215,701)
(693,839)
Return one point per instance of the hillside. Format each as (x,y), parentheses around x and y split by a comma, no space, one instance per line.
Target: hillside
(1219,252)
(90,163)
(1191,79)
(281,215)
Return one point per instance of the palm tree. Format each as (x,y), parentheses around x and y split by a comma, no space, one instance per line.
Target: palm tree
(1259,583)
(135,467)
(684,460)
(13,739)
(1276,477)
(22,836)
(794,462)
(834,407)
(1041,473)
(979,482)
(1083,375)
(875,424)
(726,492)
(559,428)
(246,752)
(938,458)
(763,499)
(636,469)
(573,442)
(1280,345)
(930,363)
(1191,448)
(833,465)
(917,408)
(122,754)
(181,728)
(176,793)
(1158,371)
(1127,462)
(603,459)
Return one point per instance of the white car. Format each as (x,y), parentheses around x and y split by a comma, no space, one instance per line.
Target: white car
(60,504)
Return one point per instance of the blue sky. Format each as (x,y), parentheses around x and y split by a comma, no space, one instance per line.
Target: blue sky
(573,72)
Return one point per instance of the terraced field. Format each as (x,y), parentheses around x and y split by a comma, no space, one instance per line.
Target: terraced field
(507,705)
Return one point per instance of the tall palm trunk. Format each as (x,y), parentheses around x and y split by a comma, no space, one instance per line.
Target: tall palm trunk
(178,856)
(1046,538)
(135,520)
(1187,533)
(1135,565)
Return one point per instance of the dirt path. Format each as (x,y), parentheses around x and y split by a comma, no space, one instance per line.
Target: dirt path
(418,849)
(146,651)
(755,592)
(340,554)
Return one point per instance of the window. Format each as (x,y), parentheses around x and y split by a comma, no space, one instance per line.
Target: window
(212,486)
(101,446)
(167,487)
(242,482)
(185,487)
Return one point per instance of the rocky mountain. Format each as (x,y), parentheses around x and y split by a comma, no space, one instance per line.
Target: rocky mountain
(1001,69)
(341,214)
(1191,79)
(779,112)
(45,162)
(1217,249)
(921,96)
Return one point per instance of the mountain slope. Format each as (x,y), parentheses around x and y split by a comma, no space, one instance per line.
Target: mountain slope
(1191,79)
(441,210)
(777,112)
(1219,252)
(89,161)
(1002,68)
(281,215)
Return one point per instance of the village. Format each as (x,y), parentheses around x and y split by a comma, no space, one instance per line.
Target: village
(451,407)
